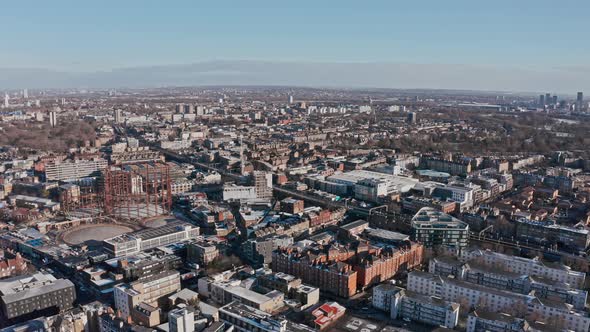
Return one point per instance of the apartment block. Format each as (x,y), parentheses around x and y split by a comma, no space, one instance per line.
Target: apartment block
(495,277)
(442,165)
(533,267)
(201,253)
(151,291)
(401,303)
(569,238)
(486,321)
(473,295)
(434,228)
(327,268)
(72,170)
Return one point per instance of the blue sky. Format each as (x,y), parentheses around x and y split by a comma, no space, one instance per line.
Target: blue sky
(97,35)
(516,45)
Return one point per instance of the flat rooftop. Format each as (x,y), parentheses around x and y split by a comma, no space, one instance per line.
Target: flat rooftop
(400,183)
(386,235)
(249,295)
(22,287)
(431,217)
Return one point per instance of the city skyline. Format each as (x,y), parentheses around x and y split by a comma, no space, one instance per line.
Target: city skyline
(403,76)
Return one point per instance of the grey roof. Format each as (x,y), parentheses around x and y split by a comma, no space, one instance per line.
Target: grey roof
(23,287)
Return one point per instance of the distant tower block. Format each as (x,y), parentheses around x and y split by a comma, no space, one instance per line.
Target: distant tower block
(291,100)
(53,118)
(580,102)
(118,116)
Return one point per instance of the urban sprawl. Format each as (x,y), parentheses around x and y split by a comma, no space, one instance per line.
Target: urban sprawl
(275,209)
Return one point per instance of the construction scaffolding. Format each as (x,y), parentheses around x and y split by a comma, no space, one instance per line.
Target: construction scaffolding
(137,191)
(81,198)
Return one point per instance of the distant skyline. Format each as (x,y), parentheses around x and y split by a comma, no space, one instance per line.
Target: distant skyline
(523,40)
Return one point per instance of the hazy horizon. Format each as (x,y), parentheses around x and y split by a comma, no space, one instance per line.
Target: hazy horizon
(309,74)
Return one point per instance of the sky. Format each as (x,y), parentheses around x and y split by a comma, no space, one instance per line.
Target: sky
(90,36)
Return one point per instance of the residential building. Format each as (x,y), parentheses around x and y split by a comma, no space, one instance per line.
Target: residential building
(429,310)
(451,167)
(181,320)
(292,206)
(12,266)
(150,291)
(259,251)
(30,296)
(201,253)
(434,228)
(247,319)
(73,170)
(497,278)
(487,321)
(473,295)
(327,269)
(234,192)
(262,182)
(568,238)
(327,315)
(410,305)
(533,267)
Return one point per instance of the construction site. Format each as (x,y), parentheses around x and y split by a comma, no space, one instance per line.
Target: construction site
(131,192)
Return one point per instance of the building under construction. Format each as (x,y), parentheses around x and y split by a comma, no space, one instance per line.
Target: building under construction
(137,191)
(82,198)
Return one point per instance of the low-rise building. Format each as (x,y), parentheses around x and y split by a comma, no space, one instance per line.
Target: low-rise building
(247,319)
(549,232)
(226,292)
(495,277)
(151,291)
(181,320)
(237,193)
(473,295)
(533,267)
(132,243)
(201,253)
(410,305)
(259,251)
(327,315)
(482,320)
(429,310)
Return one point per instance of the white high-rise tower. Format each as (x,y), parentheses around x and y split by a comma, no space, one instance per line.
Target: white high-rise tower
(241,156)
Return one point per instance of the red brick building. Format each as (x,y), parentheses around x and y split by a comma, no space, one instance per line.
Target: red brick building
(292,206)
(386,263)
(12,266)
(334,277)
(343,270)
